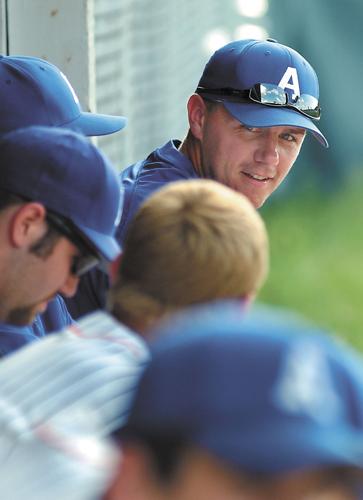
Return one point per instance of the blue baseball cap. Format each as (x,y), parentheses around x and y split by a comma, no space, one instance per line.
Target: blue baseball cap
(35,92)
(70,176)
(243,64)
(264,395)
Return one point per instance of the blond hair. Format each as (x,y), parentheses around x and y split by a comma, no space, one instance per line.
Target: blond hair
(191,242)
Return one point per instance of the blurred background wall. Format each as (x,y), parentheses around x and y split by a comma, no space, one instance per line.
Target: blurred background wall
(149,57)
(143,58)
(329,34)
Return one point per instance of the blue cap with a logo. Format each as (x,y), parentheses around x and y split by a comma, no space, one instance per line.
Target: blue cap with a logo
(264,84)
(70,176)
(35,92)
(263,394)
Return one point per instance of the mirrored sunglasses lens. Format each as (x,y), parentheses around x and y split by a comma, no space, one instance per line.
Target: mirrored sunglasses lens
(271,94)
(308,105)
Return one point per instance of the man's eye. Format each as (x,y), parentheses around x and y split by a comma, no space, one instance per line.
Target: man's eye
(250,129)
(289,137)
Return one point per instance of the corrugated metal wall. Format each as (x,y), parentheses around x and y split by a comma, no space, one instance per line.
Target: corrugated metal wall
(149,57)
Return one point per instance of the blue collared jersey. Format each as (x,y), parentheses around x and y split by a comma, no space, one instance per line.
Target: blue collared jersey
(138,181)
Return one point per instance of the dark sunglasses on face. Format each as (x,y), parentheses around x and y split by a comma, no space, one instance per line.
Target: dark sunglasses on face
(269,95)
(87,259)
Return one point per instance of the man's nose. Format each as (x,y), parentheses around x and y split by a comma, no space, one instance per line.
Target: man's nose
(268,151)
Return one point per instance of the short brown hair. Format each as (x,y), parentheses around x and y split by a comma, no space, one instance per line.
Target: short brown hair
(191,242)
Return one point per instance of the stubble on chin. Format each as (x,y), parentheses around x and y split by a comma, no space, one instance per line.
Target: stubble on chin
(21,316)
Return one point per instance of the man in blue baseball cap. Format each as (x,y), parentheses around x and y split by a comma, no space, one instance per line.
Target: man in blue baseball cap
(248,118)
(247,121)
(60,204)
(35,92)
(231,407)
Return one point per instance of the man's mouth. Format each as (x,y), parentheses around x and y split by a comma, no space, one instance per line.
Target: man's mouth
(257,177)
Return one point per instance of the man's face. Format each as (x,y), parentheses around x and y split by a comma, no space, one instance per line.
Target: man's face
(200,476)
(37,280)
(252,161)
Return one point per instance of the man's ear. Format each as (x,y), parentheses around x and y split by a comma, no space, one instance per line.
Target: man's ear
(113,269)
(197,111)
(27,224)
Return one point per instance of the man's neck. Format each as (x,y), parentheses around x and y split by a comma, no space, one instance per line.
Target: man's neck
(190,147)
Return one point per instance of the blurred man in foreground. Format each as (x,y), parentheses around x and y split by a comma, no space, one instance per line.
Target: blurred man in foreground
(230,408)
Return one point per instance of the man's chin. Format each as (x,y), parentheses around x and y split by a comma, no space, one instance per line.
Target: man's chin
(26,315)
(256,196)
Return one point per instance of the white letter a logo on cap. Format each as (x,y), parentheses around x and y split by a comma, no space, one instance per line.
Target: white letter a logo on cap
(305,384)
(290,74)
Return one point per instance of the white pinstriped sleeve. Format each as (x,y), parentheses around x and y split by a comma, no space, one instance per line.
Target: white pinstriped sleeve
(75,384)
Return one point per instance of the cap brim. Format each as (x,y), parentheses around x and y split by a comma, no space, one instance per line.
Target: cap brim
(95,124)
(104,245)
(276,450)
(257,115)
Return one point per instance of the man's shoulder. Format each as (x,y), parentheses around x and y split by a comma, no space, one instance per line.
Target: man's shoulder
(14,337)
(81,377)
(164,164)
(101,326)
(139,181)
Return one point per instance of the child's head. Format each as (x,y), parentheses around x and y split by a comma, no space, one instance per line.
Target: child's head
(192,242)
